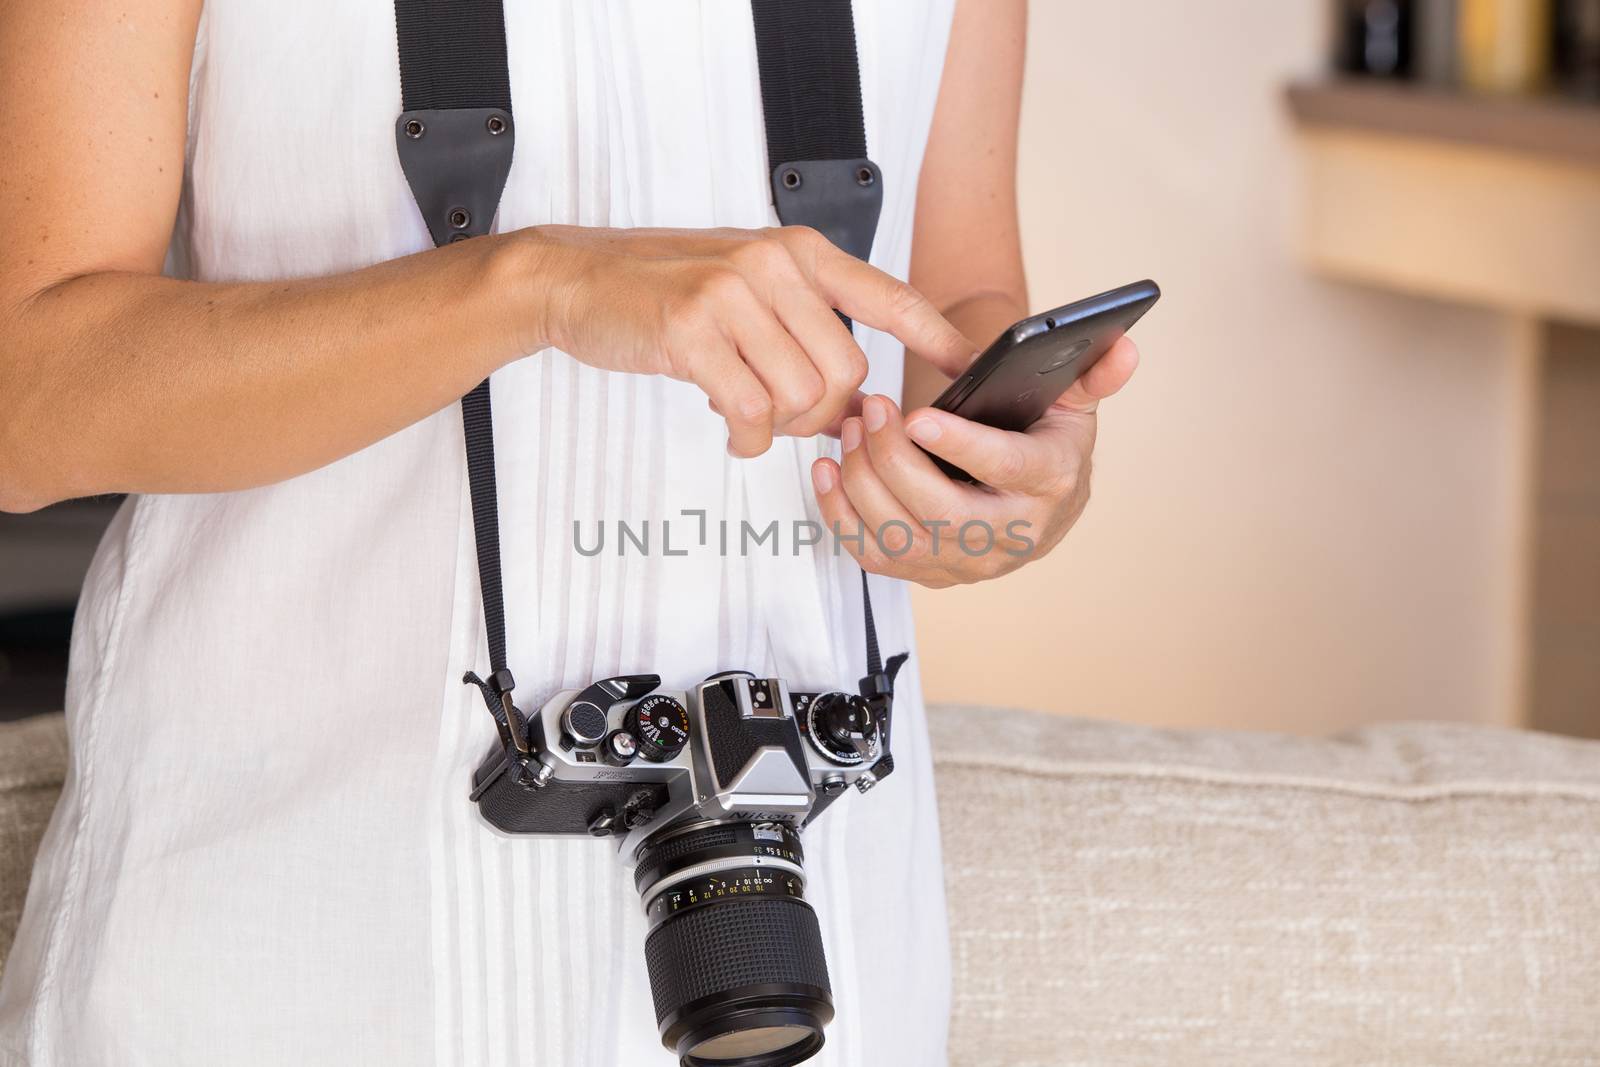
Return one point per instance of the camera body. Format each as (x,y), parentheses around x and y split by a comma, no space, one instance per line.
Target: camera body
(704,793)
(625,759)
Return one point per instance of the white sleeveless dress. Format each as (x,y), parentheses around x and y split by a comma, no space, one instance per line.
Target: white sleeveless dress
(265,853)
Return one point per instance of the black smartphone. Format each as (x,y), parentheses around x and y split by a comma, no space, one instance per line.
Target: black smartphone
(1029,366)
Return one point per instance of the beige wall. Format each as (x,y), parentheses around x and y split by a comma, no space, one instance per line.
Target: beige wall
(1304,506)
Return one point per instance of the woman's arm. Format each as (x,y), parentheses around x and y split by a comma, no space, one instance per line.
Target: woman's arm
(113,378)
(920,525)
(967,253)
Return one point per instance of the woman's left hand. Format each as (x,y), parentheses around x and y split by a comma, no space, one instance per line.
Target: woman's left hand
(916,523)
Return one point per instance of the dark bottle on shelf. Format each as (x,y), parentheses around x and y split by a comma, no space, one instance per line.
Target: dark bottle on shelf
(1375,37)
(1577,48)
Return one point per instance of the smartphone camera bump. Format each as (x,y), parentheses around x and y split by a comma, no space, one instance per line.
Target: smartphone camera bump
(1067,357)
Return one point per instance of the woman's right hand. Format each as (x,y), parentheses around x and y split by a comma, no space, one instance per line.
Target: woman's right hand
(746,315)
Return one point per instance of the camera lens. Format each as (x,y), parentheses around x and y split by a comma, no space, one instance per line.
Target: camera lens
(734,951)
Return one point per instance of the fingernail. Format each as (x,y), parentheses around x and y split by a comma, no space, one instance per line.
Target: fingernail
(851,434)
(822,478)
(925,430)
(875,412)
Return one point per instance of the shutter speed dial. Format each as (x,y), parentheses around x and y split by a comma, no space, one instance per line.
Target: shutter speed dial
(662,726)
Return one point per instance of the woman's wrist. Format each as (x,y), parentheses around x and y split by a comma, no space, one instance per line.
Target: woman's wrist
(529,274)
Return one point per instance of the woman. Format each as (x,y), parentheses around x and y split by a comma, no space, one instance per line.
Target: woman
(264,854)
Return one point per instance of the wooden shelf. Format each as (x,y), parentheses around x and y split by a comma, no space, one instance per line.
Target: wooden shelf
(1554,127)
(1489,202)
(1494,203)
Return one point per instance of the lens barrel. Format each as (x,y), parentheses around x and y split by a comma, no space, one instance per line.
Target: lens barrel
(734,952)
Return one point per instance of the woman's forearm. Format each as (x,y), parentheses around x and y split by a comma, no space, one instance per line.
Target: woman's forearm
(130,382)
(967,254)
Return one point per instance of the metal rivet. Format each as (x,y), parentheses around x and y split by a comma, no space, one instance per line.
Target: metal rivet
(459,237)
(415,129)
(459,218)
(864,176)
(496,125)
(791,179)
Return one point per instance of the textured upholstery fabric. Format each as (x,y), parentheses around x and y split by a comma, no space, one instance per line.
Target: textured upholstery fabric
(1411,894)
(33,759)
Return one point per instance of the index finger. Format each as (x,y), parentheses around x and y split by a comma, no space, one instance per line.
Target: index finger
(884,302)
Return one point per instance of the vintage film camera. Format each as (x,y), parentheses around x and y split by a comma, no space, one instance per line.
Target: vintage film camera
(705,793)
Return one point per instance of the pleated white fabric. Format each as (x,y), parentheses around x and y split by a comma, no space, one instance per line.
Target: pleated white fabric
(265,854)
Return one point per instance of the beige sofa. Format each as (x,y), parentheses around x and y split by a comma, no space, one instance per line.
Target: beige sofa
(1412,894)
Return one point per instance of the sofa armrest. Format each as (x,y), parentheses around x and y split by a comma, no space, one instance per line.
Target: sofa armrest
(33,763)
(1414,893)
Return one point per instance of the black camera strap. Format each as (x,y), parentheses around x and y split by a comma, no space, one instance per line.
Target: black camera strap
(816,130)
(821,177)
(455,138)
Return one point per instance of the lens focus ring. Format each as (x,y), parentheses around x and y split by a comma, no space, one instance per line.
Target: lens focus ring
(741,942)
(742,961)
(734,952)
